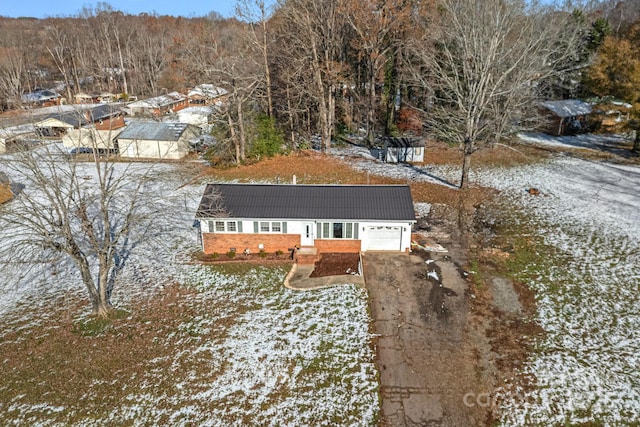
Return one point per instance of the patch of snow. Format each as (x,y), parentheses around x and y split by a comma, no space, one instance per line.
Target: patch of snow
(586,365)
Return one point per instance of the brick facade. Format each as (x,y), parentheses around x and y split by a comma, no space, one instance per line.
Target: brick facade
(338,245)
(221,243)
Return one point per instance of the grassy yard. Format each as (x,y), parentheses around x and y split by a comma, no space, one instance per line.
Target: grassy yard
(576,246)
(227,346)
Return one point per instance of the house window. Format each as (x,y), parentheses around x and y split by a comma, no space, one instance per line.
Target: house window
(348,230)
(269,227)
(338,230)
(325,230)
(225,226)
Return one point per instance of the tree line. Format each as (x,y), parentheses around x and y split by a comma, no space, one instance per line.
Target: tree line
(463,71)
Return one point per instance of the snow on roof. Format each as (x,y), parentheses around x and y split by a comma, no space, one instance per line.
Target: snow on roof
(568,107)
(202,110)
(207,90)
(14,131)
(159,101)
(154,131)
(40,96)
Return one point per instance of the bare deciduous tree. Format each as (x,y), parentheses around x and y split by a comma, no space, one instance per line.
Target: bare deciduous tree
(315,30)
(480,63)
(91,215)
(256,12)
(375,25)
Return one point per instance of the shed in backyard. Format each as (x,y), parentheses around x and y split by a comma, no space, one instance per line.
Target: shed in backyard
(403,150)
(567,117)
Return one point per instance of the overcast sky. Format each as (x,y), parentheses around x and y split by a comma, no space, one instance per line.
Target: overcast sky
(47,8)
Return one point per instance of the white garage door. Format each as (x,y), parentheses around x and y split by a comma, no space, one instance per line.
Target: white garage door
(383,238)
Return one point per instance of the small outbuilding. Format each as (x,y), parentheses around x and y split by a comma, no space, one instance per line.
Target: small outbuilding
(326,218)
(157,140)
(567,117)
(399,150)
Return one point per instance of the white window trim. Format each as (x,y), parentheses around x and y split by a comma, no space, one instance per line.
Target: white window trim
(270,227)
(327,229)
(213,226)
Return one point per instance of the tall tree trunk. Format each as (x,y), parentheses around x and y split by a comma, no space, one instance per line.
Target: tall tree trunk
(125,88)
(291,121)
(232,132)
(267,72)
(371,108)
(466,162)
(241,132)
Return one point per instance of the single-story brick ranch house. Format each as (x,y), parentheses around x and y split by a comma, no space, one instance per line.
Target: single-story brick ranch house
(328,218)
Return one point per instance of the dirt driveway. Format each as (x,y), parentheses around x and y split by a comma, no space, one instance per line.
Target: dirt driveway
(428,355)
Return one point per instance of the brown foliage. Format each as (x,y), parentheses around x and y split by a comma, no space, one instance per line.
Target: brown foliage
(5,193)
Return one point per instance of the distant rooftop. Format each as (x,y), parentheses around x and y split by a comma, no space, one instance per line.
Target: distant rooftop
(153,131)
(568,107)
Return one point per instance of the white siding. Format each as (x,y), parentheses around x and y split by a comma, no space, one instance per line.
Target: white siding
(146,149)
(91,138)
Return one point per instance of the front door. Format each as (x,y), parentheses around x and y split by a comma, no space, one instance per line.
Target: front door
(307,234)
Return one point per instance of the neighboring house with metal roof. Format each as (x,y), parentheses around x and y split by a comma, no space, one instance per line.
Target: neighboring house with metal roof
(157,140)
(159,105)
(567,117)
(42,97)
(102,117)
(325,218)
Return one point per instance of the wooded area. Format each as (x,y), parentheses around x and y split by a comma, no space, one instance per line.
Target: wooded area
(462,71)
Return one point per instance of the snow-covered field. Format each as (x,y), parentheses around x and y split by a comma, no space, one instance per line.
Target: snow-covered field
(587,365)
(275,356)
(305,359)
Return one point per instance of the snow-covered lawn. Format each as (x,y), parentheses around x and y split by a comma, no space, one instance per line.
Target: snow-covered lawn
(271,356)
(586,366)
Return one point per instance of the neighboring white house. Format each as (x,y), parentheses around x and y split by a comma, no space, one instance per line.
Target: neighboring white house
(91,138)
(329,218)
(157,140)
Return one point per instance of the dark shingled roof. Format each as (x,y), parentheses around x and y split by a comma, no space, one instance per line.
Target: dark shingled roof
(268,201)
(403,142)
